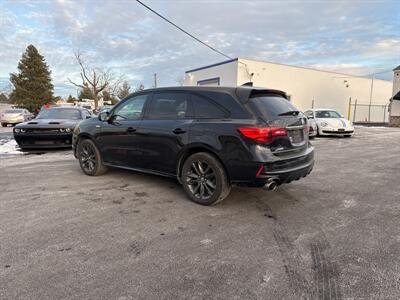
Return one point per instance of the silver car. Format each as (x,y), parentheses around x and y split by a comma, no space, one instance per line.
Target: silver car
(15,116)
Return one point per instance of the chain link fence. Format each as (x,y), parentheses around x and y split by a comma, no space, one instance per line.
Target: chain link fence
(365,112)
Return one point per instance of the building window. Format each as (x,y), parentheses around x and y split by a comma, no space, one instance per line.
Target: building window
(209,82)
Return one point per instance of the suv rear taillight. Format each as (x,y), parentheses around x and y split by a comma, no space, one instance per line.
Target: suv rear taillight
(262,134)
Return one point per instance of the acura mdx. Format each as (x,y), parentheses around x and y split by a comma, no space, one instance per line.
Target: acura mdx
(208,138)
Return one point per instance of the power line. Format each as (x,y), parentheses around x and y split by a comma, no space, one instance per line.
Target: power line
(184,31)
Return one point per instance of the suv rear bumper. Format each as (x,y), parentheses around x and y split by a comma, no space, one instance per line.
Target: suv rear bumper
(281,170)
(285,176)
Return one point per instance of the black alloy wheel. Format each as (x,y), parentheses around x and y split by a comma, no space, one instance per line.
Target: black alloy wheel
(90,158)
(201,180)
(204,179)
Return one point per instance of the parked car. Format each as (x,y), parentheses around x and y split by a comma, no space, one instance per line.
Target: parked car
(209,138)
(52,128)
(312,128)
(15,116)
(330,122)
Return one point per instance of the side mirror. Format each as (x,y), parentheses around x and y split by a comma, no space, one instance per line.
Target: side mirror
(88,117)
(103,116)
(310,117)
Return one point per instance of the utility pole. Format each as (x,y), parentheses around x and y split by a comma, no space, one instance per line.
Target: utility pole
(370,97)
(155,80)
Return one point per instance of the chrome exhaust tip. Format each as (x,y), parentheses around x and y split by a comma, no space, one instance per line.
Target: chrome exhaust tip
(271,185)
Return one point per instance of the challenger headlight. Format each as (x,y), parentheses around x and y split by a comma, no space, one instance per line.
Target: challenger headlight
(16,130)
(22,130)
(62,129)
(68,130)
(324,124)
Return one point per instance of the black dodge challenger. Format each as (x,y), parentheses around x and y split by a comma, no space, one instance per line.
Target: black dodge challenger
(52,128)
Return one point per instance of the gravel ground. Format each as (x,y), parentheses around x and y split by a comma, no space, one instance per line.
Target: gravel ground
(125,235)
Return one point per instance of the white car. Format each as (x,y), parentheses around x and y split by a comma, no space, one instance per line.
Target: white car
(312,128)
(330,122)
(15,116)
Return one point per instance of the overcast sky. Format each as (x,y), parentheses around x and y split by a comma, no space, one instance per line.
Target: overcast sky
(355,37)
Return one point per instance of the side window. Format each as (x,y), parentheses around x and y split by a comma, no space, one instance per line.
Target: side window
(131,109)
(206,108)
(169,106)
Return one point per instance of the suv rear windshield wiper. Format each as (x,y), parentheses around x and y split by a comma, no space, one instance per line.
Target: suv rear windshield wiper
(289,113)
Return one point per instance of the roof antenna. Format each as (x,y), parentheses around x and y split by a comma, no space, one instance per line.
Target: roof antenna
(247,84)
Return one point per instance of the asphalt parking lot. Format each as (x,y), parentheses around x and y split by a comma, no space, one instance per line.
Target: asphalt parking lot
(125,235)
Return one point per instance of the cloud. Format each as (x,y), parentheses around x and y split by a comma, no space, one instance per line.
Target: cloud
(344,36)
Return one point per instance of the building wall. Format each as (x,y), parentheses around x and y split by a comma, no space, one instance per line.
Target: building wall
(395,105)
(226,72)
(327,89)
(396,82)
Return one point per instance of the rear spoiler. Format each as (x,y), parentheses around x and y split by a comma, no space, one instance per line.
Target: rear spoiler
(244,94)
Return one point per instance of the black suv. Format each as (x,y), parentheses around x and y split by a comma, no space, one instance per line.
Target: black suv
(207,137)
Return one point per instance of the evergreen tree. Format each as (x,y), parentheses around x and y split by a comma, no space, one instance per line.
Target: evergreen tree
(108,97)
(124,90)
(85,93)
(32,84)
(71,99)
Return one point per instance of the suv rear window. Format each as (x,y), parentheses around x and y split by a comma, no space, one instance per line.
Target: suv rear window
(271,106)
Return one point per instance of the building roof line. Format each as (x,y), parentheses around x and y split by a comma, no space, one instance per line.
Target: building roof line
(213,65)
(318,70)
(286,65)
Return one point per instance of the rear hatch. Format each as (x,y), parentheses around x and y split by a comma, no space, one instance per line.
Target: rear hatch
(281,115)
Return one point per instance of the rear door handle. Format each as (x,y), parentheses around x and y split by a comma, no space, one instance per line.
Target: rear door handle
(179,131)
(130,129)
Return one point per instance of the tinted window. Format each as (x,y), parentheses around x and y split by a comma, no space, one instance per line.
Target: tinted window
(227,103)
(271,106)
(131,109)
(60,113)
(169,106)
(327,114)
(207,108)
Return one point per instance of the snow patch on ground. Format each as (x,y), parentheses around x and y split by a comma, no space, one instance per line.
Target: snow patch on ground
(8,147)
(349,203)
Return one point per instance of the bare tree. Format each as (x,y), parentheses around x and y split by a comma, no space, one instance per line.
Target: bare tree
(180,80)
(96,80)
(139,88)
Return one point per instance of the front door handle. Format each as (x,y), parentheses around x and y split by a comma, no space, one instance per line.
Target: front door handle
(179,131)
(130,130)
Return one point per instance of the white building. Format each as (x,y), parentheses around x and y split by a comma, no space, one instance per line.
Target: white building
(395,103)
(306,87)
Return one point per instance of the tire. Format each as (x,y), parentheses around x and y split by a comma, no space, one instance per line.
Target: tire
(4,124)
(90,159)
(204,179)
(318,134)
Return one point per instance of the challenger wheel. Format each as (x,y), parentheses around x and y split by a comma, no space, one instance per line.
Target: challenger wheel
(204,179)
(90,159)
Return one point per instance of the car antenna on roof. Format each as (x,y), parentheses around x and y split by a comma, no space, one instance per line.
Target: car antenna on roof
(247,84)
